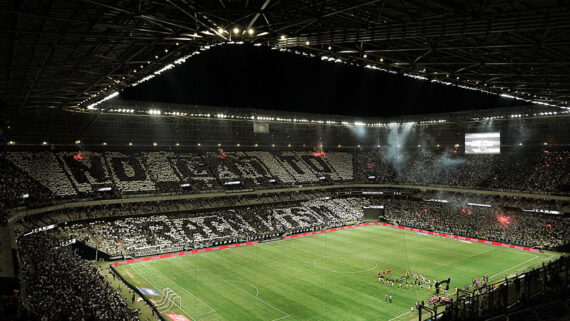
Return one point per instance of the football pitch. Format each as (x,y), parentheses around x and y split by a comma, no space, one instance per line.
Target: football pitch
(328,276)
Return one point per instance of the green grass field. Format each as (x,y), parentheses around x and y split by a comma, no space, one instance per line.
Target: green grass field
(329,276)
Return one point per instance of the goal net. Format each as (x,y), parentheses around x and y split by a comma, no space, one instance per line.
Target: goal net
(169,299)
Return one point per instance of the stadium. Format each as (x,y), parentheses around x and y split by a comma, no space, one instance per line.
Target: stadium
(274,160)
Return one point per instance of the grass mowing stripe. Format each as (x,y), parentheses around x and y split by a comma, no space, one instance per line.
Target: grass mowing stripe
(534,258)
(255,297)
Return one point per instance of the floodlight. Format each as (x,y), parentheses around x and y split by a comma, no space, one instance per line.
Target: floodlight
(236,30)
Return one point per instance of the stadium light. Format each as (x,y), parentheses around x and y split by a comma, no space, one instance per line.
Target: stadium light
(104,143)
(288,145)
(330,48)
(365,56)
(130,144)
(77,142)
(237,145)
(255,145)
(250,31)
(177,144)
(520,144)
(44,143)
(272,145)
(11,142)
(219,145)
(545,143)
(307,42)
(236,30)
(381,59)
(283,37)
(112,95)
(155,144)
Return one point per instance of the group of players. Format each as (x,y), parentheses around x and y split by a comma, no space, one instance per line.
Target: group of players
(408,281)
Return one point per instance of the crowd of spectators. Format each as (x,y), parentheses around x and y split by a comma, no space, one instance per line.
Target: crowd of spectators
(72,175)
(191,229)
(507,225)
(538,171)
(153,207)
(19,189)
(59,286)
(162,233)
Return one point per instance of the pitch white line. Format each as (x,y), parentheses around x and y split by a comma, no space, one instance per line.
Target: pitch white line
(206,304)
(256,289)
(344,272)
(513,267)
(260,300)
(401,315)
(188,314)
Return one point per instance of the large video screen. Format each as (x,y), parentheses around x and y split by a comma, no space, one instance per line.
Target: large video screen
(482,143)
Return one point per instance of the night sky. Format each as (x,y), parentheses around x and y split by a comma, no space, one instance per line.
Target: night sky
(261,78)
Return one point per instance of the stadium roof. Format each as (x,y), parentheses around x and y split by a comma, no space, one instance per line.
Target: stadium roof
(62,54)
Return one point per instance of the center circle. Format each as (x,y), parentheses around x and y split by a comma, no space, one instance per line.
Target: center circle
(345,263)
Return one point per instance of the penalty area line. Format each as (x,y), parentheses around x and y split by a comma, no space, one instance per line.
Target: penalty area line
(401,315)
(534,258)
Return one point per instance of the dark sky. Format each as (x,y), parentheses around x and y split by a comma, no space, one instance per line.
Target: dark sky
(258,77)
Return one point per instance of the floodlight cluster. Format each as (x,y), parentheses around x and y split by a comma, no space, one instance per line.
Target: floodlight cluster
(373,67)
(488,117)
(121,110)
(112,95)
(175,113)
